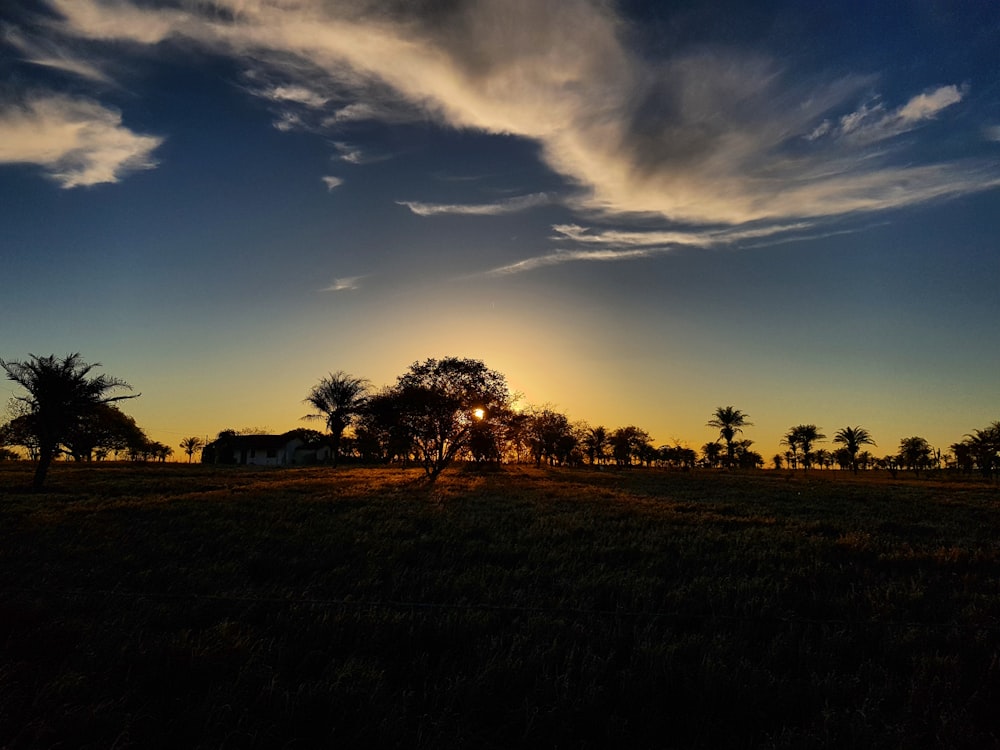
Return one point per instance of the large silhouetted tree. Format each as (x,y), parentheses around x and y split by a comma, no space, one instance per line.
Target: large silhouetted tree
(440,403)
(60,394)
(729,422)
(852,438)
(337,399)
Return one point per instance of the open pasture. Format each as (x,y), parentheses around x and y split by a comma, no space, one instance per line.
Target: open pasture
(190,606)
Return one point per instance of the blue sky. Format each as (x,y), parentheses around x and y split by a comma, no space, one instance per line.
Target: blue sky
(637,211)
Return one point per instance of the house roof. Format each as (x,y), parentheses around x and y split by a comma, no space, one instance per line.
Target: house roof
(265,442)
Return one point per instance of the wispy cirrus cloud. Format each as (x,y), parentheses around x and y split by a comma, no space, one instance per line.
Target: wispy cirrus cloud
(712,136)
(497,208)
(356,155)
(49,54)
(345,284)
(77,141)
(332,182)
(873,122)
(699,238)
(558,257)
(621,245)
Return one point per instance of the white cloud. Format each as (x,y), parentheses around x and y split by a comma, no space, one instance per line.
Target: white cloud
(296,94)
(332,182)
(77,141)
(344,284)
(872,122)
(508,206)
(701,238)
(49,54)
(356,155)
(927,106)
(620,245)
(721,136)
(558,257)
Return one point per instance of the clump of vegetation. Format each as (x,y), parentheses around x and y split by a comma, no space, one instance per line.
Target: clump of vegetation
(207,606)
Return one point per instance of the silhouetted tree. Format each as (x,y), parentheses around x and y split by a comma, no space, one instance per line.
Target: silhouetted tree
(60,393)
(678,457)
(801,437)
(962,455)
(151,450)
(852,438)
(192,445)
(745,457)
(380,433)
(337,399)
(711,454)
(550,436)
(20,432)
(628,443)
(915,453)
(103,430)
(439,401)
(595,444)
(729,422)
(983,446)
(516,437)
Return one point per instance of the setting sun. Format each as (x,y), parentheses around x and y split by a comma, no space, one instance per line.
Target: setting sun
(478,413)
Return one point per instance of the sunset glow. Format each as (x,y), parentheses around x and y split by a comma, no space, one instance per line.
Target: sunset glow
(634,211)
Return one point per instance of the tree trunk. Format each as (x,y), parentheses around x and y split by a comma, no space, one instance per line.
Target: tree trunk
(45,456)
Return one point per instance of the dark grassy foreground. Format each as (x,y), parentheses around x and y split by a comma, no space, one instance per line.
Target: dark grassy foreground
(175,606)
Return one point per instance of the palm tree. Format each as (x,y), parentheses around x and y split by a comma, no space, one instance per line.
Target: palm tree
(802,437)
(190,445)
(710,454)
(595,442)
(915,453)
(983,446)
(61,393)
(337,398)
(852,438)
(729,422)
(791,439)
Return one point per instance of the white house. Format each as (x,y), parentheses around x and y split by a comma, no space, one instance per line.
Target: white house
(265,450)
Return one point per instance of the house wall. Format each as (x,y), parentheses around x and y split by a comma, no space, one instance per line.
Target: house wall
(263,456)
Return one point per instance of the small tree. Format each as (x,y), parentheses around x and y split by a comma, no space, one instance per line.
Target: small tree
(595,444)
(852,438)
(915,453)
(549,435)
(60,394)
(192,445)
(983,447)
(802,437)
(729,422)
(337,399)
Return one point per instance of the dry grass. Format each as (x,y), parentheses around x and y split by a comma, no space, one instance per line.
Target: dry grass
(174,605)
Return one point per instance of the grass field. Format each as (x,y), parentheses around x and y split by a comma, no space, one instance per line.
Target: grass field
(175,606)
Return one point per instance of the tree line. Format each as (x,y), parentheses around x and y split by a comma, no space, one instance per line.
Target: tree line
(438,411)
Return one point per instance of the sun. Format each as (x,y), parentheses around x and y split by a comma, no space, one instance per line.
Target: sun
(479,413)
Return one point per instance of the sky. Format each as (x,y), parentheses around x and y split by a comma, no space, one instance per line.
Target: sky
(636,211)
